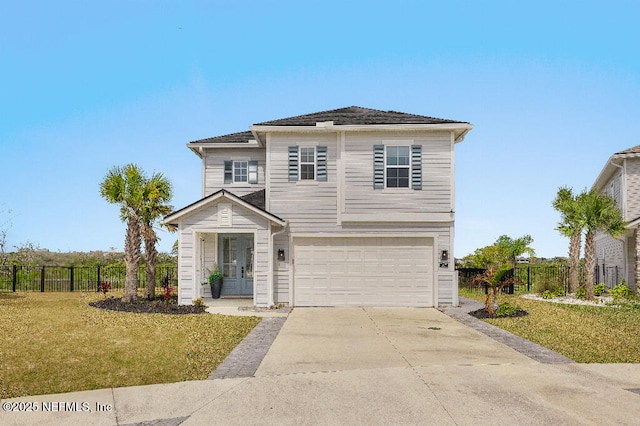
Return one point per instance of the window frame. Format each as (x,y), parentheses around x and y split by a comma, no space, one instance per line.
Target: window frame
(407,167)
(236,173)
(314,163)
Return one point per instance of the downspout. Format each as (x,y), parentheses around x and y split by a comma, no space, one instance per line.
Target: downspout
(270,293)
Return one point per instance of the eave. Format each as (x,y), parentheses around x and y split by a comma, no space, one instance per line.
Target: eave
(459,129)
(175,217)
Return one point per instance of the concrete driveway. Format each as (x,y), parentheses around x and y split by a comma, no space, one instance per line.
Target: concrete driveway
(374,366)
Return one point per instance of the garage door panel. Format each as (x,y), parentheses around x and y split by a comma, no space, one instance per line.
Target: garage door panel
(377,271)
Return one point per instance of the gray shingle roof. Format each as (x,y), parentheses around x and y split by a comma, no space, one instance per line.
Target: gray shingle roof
(239,137)
(633,150)
(352,115)
(356,116)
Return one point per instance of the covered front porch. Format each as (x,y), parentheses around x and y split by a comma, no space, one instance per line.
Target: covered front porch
(229,233)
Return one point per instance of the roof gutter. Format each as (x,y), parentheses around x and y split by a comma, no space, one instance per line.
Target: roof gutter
(606,171)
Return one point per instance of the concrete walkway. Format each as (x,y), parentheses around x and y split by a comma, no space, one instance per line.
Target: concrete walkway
(369,366)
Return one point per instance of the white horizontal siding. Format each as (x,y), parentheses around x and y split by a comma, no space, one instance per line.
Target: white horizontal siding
(214,169)
(632,183)
(308,206)
(435,195)
(281,269)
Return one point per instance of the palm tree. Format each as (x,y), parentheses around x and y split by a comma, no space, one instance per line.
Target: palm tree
(125,186)
(570,226)
(514,248)
(599,213)
(157,193)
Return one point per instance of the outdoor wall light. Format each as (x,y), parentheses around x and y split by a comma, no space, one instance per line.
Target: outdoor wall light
(444,255)
(281,255)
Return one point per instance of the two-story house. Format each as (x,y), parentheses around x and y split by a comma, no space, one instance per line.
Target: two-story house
(620,179)
(353,206)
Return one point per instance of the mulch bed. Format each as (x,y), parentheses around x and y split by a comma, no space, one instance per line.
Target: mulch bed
(483,314)
(144,306)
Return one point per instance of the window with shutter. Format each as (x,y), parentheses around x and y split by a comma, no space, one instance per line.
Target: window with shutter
(308,163)
(397,166)
(240,172)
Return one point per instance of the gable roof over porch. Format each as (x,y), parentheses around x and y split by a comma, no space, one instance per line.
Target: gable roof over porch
(251,202)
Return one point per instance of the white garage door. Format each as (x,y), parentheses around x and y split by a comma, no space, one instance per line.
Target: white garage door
(368,271)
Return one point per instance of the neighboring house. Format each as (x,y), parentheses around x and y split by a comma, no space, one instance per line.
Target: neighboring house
(353,206)
(620,179)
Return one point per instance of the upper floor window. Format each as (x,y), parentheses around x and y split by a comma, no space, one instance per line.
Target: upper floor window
(307,163)
(397,166)
(240,172)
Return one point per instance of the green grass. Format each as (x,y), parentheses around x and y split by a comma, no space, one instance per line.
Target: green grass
(587,334)
(55,342)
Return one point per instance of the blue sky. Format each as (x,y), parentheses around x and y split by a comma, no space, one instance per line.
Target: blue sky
(552,88)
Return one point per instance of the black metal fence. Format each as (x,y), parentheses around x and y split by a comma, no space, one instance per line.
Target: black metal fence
(533,278)
(76,278)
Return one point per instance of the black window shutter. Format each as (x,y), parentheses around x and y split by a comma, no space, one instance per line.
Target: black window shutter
(293,163)
(321,162)
(378,167)
(416,166)
(228,171)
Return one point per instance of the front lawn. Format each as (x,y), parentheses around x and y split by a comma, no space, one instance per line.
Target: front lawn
(589,334)
(56,342)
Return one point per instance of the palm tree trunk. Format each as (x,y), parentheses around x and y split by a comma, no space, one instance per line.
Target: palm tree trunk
(151,255)
(574,262)
(589,264)
(131,259)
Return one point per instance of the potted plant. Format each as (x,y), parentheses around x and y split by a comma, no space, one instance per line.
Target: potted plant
(215,281)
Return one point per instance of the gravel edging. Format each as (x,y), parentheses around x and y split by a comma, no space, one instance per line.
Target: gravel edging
(245,359)
(524,346)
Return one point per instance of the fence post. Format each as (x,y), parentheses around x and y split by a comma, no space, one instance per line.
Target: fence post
(70,278)
(528,279)
(98,286)
(15,277)
(42,280)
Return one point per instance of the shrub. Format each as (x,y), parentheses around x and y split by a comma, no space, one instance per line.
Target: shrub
(598,289)
(581,293)
(506,309)
(621,292)
(551,293)
(198,302)
(545,284)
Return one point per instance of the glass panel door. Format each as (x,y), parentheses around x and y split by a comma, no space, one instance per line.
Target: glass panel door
(236,260)
(229,256)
